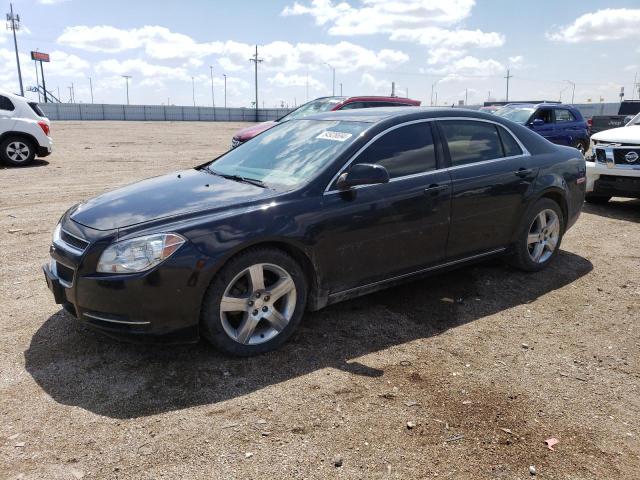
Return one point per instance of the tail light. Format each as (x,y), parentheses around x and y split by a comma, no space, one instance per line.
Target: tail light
(590,122)
(45,128)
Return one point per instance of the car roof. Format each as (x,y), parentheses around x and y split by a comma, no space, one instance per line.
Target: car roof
(373,98)
(12,96)
(378,114)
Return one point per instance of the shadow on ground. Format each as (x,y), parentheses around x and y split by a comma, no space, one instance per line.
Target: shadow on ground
(38,162)
(79,367)
(618,209)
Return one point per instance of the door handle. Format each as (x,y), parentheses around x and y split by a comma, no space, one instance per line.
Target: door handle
(523,172)
(435,189)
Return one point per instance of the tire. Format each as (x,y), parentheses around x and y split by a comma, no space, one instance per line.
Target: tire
(17,151)
(251,321)
(597,199)
(549,238)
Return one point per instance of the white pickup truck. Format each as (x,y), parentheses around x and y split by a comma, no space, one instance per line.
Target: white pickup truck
(613,169)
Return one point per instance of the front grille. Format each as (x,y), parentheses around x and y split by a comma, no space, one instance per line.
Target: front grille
(64,273)
(620,156)
(74,241)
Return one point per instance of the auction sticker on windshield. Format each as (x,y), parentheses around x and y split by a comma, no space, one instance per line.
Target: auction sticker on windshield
(335,136)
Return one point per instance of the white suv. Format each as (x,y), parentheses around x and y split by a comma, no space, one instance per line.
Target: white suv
(24,130)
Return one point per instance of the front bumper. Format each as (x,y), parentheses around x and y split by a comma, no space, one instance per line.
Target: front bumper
(162,303)
(613,180)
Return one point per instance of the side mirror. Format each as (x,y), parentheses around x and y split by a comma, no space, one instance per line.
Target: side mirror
(538,122)
(362,174)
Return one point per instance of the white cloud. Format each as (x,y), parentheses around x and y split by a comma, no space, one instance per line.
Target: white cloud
(282,80)
(372,85)
(162,44)
(440,37)
(606,24)
(630,68)
(51,2)
(376,16)
(516,61)
(472,67)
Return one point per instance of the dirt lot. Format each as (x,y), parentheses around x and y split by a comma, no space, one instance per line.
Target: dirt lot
(488,362)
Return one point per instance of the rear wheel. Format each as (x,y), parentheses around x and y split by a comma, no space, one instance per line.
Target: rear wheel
(17,151)
(597,199)
(539,236)
(255,303)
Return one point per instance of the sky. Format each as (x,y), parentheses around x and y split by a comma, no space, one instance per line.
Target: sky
(451,50)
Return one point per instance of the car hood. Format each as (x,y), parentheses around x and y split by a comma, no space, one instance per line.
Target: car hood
(249,132)
(619,135)
(167,196)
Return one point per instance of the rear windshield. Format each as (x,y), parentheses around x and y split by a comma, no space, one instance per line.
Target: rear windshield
(290,154)
(34,106)
(315,106)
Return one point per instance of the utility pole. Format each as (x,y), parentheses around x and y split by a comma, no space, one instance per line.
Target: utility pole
(466,97)
(193,89)
(213,98)
(225,89)
(91,89)
(13,23)
(44,85)
(573,92)
(256,61)
(70,94)
(333,88)
(340,88)
(508,77)
(432,87)
(126,78)
(35,62)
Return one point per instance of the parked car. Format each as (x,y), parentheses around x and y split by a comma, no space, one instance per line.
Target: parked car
(489,108)
(613,169)
(558,123)
(25,132)
(316,211)
(627,110)
(323,104)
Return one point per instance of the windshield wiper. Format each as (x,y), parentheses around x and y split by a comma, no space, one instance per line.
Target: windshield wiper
(239,178)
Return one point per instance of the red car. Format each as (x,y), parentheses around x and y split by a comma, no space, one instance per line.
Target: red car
(323,104)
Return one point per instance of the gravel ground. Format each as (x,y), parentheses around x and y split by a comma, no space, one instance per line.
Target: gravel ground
(483,363)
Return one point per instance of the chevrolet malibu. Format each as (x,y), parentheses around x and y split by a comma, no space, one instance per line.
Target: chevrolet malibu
(314,211)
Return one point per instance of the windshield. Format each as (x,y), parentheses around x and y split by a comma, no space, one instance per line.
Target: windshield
(289,154)
(515,114)
(315,106)
(634,121)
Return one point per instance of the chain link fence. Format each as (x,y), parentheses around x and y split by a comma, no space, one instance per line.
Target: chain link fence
(100,111)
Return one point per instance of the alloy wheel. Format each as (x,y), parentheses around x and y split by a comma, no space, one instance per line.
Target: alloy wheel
(18,151)
(544,234)
(258,304)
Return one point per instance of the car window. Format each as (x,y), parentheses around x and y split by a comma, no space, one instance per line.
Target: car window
(471,141)
(387,104)
(403,151)
(353,105)
(545,114)
(564,115)
(315,106)
(291,153)
(510,145)
(6,104)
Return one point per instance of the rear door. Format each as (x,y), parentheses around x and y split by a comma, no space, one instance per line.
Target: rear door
(491,174)
(7,114)
(374,232)
(568,128)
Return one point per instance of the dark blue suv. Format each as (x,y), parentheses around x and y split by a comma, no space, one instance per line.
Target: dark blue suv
(561,124)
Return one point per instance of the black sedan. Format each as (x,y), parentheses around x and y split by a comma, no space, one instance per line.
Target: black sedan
(309,213)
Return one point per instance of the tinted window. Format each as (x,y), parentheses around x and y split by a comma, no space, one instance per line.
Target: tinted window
(545,114)
(563,115)
(511,147)
(354,105)
(471,142)
(403,151)
(5,104)
(386,104)
(36,109)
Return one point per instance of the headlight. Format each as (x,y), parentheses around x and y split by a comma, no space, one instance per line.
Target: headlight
(139,254)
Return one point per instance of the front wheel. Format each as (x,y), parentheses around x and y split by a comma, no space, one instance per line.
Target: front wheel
(539,237)
(255,303)
(17,151)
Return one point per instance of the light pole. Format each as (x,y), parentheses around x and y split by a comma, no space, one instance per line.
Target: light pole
(126,78)
(561,92)
(193,89)
(213,99)
(13,23)
(433,85)
(256,61)
(225,89)
(333,88)
(573,92)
